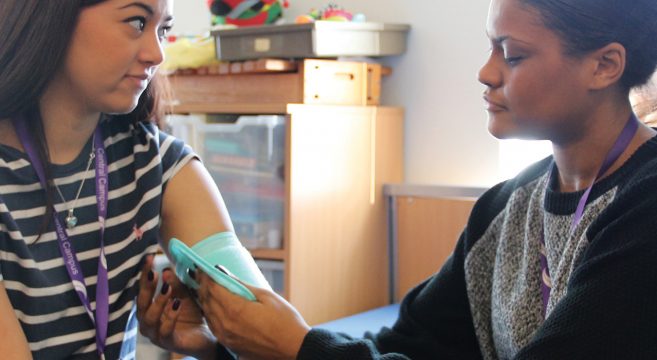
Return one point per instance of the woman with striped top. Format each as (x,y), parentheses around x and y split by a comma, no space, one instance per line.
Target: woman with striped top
(89,185)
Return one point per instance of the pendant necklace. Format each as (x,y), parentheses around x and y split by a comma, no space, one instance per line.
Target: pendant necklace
(100,315)
(71,219)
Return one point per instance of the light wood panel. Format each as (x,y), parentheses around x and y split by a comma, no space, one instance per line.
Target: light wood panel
(268,254)
(389,152)
(217,108)
(335,82)
(427,231)
(268,88)
(337,259)
(317,82)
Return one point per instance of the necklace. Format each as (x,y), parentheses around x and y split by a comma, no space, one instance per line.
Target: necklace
(100,317)
(71,219)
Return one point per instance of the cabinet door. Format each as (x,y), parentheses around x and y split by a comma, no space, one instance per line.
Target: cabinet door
(427,231)
(336,233)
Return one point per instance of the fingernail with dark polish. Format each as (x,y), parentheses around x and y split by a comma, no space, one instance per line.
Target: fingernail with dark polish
(151,275)
(191,273)
(176,304)
(165,288)
(166,269)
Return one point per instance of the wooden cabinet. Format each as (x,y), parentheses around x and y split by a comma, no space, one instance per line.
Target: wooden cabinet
(337,158)
(336,235)
(268,89)
(426,224)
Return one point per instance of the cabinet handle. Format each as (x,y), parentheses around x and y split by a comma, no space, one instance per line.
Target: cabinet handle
(351,76)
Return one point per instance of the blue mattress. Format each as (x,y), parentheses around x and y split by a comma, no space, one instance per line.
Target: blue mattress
(372,320)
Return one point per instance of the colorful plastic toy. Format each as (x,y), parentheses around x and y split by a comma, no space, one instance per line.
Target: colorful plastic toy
(332,12)
(308,18)
(335,13)
(246,12)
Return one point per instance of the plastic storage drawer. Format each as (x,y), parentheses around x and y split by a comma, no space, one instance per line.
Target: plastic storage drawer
(273,272)
(246,160)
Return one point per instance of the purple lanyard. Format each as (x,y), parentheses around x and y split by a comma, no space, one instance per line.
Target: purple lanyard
(66,248)
(621,144)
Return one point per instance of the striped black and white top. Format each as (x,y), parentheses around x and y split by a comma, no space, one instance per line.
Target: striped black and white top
(141,161)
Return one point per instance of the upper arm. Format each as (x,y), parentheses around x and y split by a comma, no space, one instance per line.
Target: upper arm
(13,344)
(192,207)
(434,318)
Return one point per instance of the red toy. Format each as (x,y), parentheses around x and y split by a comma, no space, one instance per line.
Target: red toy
(246,12)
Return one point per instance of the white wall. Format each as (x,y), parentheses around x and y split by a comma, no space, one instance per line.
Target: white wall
(446,137)
(191,17)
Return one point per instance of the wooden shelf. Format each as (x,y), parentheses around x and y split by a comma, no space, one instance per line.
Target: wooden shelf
(334,127)
(268,254)
(315,82)
(209,108)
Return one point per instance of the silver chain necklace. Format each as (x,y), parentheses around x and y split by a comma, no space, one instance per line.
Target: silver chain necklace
(71,219)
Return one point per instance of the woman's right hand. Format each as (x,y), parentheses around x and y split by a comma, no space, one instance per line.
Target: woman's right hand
(269,328)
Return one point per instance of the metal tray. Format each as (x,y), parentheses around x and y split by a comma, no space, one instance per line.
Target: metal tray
(314,40)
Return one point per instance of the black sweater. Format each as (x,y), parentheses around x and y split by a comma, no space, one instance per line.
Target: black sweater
(485,302)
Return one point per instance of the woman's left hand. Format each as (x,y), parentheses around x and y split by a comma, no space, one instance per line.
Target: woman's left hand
(268,328)
(171,318)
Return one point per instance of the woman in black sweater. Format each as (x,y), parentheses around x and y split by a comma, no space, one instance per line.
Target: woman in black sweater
(557,263)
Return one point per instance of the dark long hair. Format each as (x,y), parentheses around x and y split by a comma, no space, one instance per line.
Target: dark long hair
(588,25)
(33,46)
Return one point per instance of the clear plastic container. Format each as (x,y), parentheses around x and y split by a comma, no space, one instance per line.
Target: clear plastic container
(245,158)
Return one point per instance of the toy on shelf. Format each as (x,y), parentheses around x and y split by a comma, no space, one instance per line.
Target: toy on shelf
(188,54)
(332,12)
(246,12)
